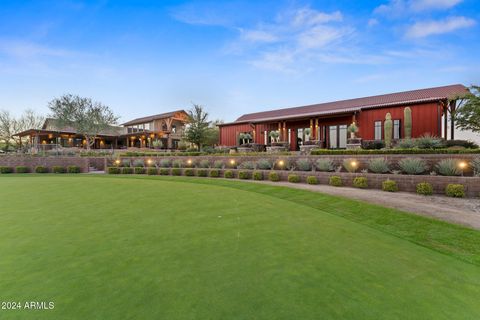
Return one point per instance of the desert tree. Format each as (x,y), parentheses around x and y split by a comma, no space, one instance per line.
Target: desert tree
(87,117)
(197,131)
(467,113)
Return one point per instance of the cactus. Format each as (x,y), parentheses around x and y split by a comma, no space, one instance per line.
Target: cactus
(388,126)
(407,118)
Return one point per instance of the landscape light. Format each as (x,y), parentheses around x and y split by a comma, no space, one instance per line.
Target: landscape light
(117,161)
(189,161)
(281,163)
(462,165)
(149,161)
(353,163)
(232,162)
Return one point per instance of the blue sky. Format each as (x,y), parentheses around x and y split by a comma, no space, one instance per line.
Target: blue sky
(233,57)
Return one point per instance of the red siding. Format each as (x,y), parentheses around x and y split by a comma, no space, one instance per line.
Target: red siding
(425,119)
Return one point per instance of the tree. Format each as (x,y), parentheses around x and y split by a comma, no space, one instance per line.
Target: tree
(9,126)
(88,118)
(467,114)
(197,127)
(213,134)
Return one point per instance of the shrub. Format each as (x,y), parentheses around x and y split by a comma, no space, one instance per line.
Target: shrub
(258,175)
(360,182)
(293,178)
(228,174)
(250,165)
(202,173)
(214,173)
(73,169)
(312,180)
(137,163)
(351,165)
(177,163)
(455,190)
(218,164)
(389,185)
(461,143)
(204,164)
(127,170)
(165,163)
(476,166)
(264,164)
(373,144)
(126,163)
(428,141)
(424,188)
(152,171)
(41,169)
(113,170)
(58,169)
(325,165)
(448,167)
(164,171)
(412,166)
(189,172)
(335,181)
(176,172)
(244,175)
(21,169)
(378,165)
(139,170)
(303,165)
(405,144)
(273,176)
(6,170)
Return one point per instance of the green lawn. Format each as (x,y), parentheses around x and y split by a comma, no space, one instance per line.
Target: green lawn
(104,247)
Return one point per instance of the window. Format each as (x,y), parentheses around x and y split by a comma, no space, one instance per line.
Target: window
(396,129)
(342,136)
(378,130)
(174,128)
(147,126)
(333,137)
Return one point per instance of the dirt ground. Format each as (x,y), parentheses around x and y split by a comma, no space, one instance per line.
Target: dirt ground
(464,211)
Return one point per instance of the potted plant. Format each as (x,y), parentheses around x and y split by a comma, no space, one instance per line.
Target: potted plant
(274,136)
(353,129)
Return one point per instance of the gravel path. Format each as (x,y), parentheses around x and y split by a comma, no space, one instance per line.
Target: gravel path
(460,211)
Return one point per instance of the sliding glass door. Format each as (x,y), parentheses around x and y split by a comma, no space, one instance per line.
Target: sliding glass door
(337,136)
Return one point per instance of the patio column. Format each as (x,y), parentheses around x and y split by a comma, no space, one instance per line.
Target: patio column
(445,121)
(452,121)
(317,133)
(284,130)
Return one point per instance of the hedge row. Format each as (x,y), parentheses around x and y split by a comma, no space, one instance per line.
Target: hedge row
(320,152)
(388,185)
(40,169)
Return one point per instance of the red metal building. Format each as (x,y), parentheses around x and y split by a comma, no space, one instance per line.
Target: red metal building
(328,122)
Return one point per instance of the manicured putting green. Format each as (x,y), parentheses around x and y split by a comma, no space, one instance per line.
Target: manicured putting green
(105,247)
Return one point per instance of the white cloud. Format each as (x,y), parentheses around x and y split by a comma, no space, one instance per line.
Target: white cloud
(320,36)
(372,22)
(258,36)
(310,17)
(25,49)
(421,5)
(401,7)
(423,29)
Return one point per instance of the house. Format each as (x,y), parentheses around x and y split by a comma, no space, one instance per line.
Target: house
(328,122)
(160,131)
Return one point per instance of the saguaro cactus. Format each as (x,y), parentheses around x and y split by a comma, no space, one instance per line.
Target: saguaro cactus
(388,125)
(407,119)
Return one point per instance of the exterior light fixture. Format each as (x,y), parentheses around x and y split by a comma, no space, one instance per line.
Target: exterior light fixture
(189,161)
(149,161)
(354,164)
(462,165)
(281,163)
(232,162)
(117,161)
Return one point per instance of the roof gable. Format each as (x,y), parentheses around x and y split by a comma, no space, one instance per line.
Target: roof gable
(155,117)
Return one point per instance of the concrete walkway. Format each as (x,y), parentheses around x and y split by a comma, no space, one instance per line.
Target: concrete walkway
(464,211)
